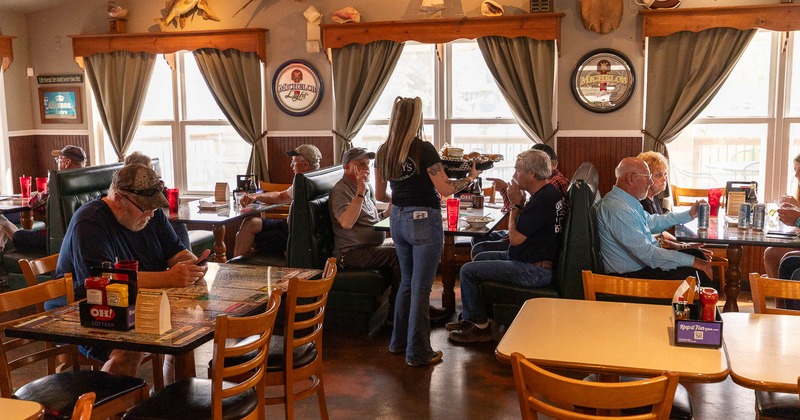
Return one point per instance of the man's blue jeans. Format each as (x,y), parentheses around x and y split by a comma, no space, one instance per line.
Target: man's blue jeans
(495,266)
(419,239)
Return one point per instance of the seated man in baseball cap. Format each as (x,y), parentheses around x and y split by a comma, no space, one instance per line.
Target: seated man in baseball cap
(70,157)
(124,225)
(271,235)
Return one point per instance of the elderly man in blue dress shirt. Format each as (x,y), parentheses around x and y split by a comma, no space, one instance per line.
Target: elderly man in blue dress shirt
(626,231)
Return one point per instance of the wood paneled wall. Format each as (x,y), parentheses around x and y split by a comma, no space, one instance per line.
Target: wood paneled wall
(280,169)
(604,152)
(30,155)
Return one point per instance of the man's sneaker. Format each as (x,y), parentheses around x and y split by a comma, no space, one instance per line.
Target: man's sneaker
(472,334)
(459,325)
(438,314)
(437,357)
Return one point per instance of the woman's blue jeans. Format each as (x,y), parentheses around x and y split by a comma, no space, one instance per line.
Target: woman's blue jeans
(418,238)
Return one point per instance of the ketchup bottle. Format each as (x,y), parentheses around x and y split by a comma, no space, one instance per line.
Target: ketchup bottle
(708,301)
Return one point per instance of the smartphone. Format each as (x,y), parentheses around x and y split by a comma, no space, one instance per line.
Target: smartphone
(208,258)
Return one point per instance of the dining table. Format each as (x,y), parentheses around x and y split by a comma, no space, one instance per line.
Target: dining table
(231,289)
(15,409)
(15,204)
(724,230)
(607,338)
(207,212)
(762,350)
(492,211)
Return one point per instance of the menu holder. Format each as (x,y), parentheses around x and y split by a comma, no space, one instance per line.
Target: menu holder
(221,192)
(120,318)
(699,333)
(152,312)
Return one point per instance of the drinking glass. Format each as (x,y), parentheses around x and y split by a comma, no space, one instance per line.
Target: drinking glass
(714,195)
(25,186)
(453,208)
(41,185)
(173,197)
(132,265)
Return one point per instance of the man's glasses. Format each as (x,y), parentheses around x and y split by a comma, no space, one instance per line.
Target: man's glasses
(134,203)
(648,176)
(147,192)
(57,159)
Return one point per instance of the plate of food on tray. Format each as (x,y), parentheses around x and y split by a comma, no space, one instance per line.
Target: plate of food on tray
(457,164)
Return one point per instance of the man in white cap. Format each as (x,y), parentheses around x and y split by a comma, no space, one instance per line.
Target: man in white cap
(270,235)
(124,225)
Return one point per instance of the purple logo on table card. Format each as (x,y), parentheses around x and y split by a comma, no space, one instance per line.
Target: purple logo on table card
(698,332)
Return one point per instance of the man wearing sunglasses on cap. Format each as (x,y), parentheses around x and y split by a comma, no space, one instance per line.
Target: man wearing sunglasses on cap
(124,225)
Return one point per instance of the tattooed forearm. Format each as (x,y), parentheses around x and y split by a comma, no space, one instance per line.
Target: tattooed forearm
(459,184)
(435,169)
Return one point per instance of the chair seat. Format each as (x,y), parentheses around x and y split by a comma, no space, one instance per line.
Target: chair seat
(190,399)
(681,404)
(303,355)
(59,392)
(778,405)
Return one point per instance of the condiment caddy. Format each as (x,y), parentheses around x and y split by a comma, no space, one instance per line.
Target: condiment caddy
(698,325)
(110,299)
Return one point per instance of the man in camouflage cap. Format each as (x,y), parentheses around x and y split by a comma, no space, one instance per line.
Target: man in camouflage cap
(124,225)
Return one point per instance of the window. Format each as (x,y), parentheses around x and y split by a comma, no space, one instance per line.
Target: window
(751,129)
(182,125)
(462,104)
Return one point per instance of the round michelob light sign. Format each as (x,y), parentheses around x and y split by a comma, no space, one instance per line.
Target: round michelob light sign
(603,80)
(297,88)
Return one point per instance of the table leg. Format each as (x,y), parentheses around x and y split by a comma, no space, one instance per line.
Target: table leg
(26,219)
(449,274)
(219,243)
(733,277)
(185,366)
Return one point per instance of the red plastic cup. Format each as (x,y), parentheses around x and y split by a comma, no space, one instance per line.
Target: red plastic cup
(714,195)
(453,208)
(132,265)
(174,199)
(25,186)
(41,185)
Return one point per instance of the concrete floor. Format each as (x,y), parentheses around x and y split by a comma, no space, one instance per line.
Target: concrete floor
(364,381)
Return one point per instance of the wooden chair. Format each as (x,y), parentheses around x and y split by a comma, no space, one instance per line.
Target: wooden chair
(31,269)
(774,405)
(719,258)
(636,288)
(217,398)
(279,212)
(297,355)
(83,408)
(59,392)
(541,391)
(642,290)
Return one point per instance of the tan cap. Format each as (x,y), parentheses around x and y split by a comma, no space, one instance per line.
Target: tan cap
(309,152)
(142,185)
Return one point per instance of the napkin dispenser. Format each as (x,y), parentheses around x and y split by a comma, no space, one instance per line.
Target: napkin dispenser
(120,318)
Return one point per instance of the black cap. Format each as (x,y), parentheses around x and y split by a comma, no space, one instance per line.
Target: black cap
(547,149)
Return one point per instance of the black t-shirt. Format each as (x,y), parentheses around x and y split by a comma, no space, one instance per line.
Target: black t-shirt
(541,221)
(414,187)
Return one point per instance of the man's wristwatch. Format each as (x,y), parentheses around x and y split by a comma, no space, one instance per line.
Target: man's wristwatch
(517,206)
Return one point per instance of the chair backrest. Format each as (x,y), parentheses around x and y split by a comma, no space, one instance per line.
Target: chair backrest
(541,391)
(305,310)
(69,189)
(250,371)
(311,231)
(273,187)
(762,287)
(33,268)
(83,407)
(687,196)
(578,250)
(638,290)
(23,354)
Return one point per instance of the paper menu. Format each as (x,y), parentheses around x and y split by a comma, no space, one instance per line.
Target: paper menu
(152,312)
(734,199)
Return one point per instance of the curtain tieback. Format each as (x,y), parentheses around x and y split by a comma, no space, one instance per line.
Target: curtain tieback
(547,140)
(659,141)
(261,137)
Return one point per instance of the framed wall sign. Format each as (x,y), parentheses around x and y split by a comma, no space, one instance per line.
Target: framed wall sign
(297,88)
(603,80)
(60,105)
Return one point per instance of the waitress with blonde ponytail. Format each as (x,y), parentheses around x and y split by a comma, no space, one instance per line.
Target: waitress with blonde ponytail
(414,170)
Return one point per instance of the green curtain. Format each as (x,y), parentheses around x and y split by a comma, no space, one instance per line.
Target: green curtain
(685,70)
(119,80)
(360,73)
(524,70)
(235,81)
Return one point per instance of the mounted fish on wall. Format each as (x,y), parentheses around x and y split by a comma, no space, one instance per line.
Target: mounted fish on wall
(250,1)
(658,4)
(180,8)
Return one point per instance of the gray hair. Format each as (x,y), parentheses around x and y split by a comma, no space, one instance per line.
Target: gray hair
(536,161)
(138,157)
